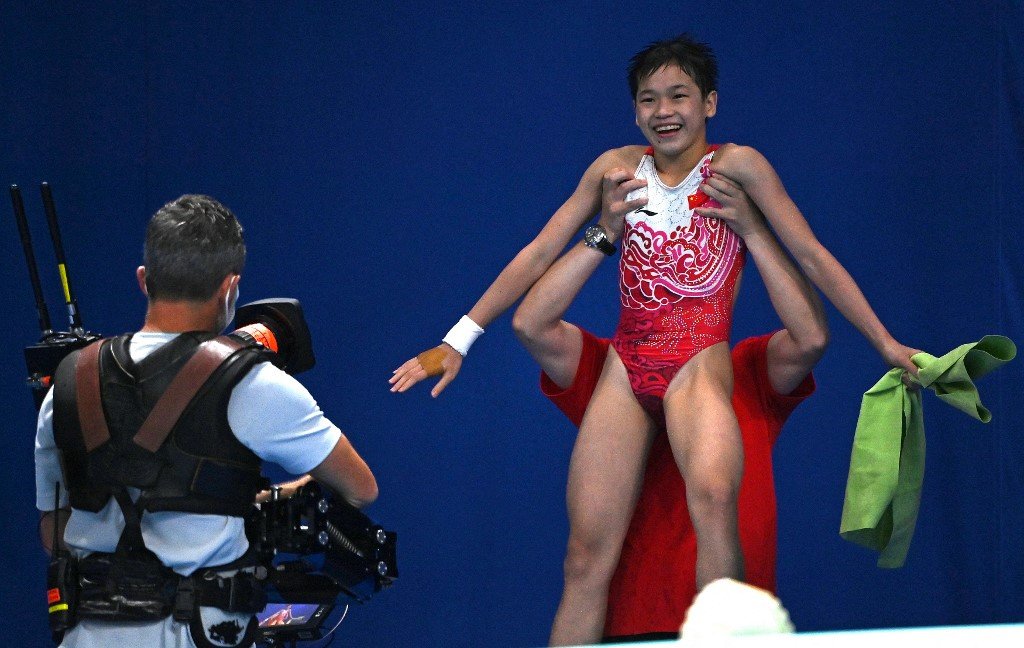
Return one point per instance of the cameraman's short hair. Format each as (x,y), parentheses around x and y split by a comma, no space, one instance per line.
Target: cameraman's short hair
(695,58)
(192,243)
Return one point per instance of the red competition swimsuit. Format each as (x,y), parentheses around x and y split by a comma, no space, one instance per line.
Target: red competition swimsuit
(678,275)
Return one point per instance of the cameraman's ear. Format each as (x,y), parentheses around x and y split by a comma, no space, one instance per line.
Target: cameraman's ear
(230,283)
(140,274)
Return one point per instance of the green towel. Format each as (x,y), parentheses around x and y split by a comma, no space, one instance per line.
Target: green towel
(883,490)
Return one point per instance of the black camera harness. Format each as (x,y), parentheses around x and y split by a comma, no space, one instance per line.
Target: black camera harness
(190,380)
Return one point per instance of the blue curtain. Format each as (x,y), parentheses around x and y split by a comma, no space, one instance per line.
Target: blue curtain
(387,159)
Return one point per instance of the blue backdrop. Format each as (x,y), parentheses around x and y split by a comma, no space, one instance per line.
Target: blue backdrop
(387,159)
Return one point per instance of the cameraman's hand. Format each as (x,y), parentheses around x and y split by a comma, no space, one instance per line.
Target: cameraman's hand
(288,489)
(616,184)
(442,361)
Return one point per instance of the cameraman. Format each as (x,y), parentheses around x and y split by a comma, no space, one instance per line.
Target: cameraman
(187,492)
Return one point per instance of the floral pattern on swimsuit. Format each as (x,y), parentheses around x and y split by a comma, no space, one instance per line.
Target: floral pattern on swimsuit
(677,276)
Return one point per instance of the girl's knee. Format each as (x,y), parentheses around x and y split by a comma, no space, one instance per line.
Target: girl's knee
(713,496)
(588,559)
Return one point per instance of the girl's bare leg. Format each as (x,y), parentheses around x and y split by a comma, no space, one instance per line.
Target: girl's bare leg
(605,475)
(708,449)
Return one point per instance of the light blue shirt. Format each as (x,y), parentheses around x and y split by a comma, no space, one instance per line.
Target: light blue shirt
(269,411)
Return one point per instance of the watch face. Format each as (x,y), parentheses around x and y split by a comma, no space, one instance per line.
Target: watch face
(595,237)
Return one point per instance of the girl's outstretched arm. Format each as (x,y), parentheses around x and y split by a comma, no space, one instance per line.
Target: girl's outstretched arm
(758,178)
(513,282)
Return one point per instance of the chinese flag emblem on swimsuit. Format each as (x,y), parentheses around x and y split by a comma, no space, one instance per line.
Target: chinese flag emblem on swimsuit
(697,199)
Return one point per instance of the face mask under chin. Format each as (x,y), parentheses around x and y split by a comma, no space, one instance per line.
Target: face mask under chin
(230,300)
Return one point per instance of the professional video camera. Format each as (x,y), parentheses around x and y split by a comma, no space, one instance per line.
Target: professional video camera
(318,550)
(356,559)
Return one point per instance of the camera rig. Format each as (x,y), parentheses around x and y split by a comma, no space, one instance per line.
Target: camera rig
(358,554)
(318,548)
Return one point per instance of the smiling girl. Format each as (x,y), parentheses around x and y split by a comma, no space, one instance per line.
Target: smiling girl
(669,366)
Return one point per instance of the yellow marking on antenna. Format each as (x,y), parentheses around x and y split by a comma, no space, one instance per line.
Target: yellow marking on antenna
(64,282)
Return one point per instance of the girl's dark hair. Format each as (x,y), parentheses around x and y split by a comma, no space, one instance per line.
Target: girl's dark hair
(695,58)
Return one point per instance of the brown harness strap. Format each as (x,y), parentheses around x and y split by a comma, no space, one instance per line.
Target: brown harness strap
(87,394)
(168,409)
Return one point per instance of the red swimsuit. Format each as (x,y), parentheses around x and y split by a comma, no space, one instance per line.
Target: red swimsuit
(678,275)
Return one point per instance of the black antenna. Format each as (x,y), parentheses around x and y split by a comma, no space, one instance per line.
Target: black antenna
(55,548)
(30,258)
(74,318)
(42,358)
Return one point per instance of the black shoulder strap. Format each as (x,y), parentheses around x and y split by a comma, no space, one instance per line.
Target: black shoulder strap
(79,423)
(88,399)
(183,388)
(165,414)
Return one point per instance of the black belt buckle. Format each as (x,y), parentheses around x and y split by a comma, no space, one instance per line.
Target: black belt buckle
(185,600)
(234,584)
(245,593)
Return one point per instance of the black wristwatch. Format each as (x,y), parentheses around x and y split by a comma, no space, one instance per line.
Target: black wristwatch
(595,237)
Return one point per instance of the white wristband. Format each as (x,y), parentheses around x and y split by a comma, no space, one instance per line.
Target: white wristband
(463,335)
